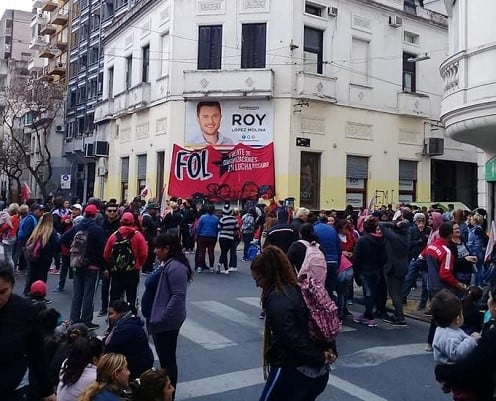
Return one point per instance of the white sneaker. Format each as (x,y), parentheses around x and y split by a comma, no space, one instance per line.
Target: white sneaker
(232,269)
(428,348)
(226,272)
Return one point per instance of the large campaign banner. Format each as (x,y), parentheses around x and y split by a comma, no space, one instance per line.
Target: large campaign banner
(229,122)
(243,173)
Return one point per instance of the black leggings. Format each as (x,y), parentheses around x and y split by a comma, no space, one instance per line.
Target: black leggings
(166,344)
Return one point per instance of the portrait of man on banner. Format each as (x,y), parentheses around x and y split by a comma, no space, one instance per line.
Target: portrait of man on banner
(228,122)
(309,179)
(209,117)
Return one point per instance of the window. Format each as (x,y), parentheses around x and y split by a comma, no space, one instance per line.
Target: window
(8,23)
(309,180)
(93,58)
(411,38)
(360,61)
(209,47)
(407,181)
(160,175)
(145,64)
(110,82)
(410,7)
(83,62)
(357,171)
(141,173)
(129,71)
(313,9)
(164,55)
(124,177)
(312,50)
(409,73)
(253,46)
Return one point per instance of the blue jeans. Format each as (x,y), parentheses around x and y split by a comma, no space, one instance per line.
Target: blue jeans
(331,282)
(247,238)
(84,287)
(370,284)
(233,256)
(288,384)
(411,278)
(344,279)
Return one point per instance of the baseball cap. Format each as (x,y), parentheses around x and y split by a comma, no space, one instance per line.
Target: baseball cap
(77,206)
(127,219)
(38,289)
(91,211)
(37,206)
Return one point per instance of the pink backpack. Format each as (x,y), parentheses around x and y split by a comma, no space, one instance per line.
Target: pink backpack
(314,265)
(323,322)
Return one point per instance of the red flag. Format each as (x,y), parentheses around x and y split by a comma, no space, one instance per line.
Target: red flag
(145,193)
(25,192)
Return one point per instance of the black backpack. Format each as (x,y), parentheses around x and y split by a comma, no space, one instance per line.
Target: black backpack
(122,253)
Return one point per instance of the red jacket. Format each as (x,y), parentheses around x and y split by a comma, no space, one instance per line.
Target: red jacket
(440,263)
(8,231)
(138,245)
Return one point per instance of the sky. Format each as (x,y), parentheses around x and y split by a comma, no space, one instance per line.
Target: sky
(17,4)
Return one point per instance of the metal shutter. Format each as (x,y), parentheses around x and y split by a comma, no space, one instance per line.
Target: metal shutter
(141,167)
(125,169)
(357,167)
(408,170)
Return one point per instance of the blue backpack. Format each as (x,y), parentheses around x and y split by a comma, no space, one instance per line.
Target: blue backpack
(253,251)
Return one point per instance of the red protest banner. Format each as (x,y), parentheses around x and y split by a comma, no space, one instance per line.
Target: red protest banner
(242,173)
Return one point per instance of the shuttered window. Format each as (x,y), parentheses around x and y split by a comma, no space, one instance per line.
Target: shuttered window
(407,185)
(357,172)
(253,46)
(125,169)
(141,170)
(210,47)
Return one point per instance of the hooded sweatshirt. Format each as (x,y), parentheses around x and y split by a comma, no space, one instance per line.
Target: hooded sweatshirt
(369,255)
(437,220)
(396,248)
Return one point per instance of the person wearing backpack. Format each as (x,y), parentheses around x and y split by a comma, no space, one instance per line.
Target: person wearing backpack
(92,263)
(125,252)
(247,231)
(296,366)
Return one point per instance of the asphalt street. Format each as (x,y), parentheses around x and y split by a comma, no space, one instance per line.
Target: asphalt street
(220,358)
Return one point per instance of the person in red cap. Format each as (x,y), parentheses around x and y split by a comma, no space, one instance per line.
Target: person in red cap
(86,278)
(125,252)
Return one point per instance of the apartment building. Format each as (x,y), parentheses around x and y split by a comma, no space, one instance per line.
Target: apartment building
(468,107)
(349,93)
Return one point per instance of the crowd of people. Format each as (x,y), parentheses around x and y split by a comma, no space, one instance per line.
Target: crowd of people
(111,246)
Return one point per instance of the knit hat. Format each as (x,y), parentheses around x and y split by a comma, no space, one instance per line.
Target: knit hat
(419,216)
(91,211)
(152,206)
(38,289)
(227,209)
(127,219)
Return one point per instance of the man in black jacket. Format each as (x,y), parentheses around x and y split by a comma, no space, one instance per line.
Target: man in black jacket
(21,346)
(86,278)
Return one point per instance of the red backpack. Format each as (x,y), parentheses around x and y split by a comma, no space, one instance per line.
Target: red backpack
(323,322)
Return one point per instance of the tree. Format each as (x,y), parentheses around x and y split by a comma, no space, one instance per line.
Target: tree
(12,165)
(30,107)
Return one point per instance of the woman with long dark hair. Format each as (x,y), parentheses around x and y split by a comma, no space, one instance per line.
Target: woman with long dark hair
(168,311)
(79,369)
(297,367)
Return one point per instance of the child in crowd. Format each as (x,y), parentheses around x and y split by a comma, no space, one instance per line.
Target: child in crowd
(451,343)
(472,315)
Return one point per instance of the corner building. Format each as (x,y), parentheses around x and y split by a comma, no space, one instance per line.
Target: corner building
(345,89)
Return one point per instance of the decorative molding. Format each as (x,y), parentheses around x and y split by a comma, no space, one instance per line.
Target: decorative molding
(128,41)
(164,16)
(254,6)
(161,126)
(361,23)
(142,130)
(312,125)
(146,28)
(358,130)
(409,137)
(125,135)
(210,7)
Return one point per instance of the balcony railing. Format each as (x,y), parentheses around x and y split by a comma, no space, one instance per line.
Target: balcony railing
(104,110)
(49,5)
(46,53)
(60,18)
(48,29)
(414,104)
(139,95)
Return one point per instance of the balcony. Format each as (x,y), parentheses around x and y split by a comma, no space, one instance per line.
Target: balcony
(38,42)
(120,103)
(228,83)
(46,53)
(57,68)
(60,18)
(414,104)
(44,76)
(468,108)
(315,87)
(35,64)
(48,29)
(49,5)
(104,111)
(61,44)
(139,96)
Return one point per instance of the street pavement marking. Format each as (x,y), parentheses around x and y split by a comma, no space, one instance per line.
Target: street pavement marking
(377,355)
(253,301)
(226,312)
(206,338)
(252,377)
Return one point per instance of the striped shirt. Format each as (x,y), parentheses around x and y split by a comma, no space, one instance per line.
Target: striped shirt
(227,227)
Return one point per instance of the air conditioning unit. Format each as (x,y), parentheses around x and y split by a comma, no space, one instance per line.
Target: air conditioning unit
(395,21)
(41,38)
(89,150)
(332,11)
(60,129)
(101,148)
(434,146)
(101,171)
(40,15)
(60,65)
